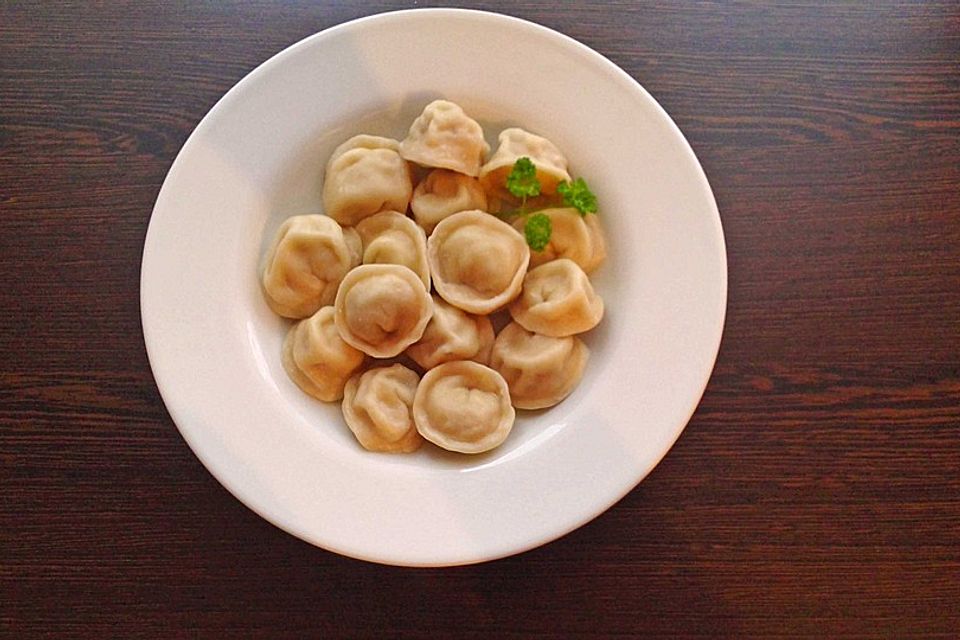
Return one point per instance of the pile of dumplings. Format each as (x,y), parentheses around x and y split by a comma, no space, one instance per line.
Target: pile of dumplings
(398,288)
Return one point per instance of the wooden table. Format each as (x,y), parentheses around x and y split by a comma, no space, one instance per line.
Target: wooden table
(815,493)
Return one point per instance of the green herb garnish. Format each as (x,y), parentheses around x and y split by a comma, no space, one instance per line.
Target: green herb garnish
(538,230)
(522,181)
(578,195)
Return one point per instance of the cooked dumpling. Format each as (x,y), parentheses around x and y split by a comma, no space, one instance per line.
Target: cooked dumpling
(381,309)
(557,300)
(317,359)
(515,143)
(540,371)
(305,264)
(463,406)
(366,175)
(393,238)
(477,261)
(576,237)
(443,193)
(378,408)
(445,137)
(453,334)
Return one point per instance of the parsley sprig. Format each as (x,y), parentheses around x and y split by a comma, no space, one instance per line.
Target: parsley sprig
(522,181)
(578,195)
(537,231)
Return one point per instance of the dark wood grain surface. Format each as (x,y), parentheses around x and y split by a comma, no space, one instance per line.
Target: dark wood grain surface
(815,493)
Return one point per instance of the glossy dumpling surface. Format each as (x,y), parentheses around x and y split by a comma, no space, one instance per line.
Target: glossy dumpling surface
(443,193)
(366,175)
(317,359)
(307,260)
(540,371)
(557,300)
(453,334)
(579,238)
(381,309)
(445,137)
(463,406)
(477,261)
(378,408)
(390,237)
(516,143)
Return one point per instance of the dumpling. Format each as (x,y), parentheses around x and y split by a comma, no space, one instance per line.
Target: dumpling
(477,261)
(463,406)
(453,334)
(366,175)
(317,359)
(393,238)
(378,408)
(381,309)
(515,143)
(540,371)
(576,237)
(443,193)
(445,137)
(305,264)
(557,300)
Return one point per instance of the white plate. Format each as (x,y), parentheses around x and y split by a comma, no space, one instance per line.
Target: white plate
(257,158)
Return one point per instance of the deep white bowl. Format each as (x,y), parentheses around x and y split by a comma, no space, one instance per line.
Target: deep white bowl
(258,157)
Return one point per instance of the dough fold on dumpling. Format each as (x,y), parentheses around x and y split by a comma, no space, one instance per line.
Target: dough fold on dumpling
(443,193)
(354,244)
(540,371)
(463,406)
(317,359)
(304,265)
(390,237)
(378,408)
(452,334)
(445,137)
(573,236)
(381,309)
(477,261)
(516,143)
(366,175)
(557,300)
